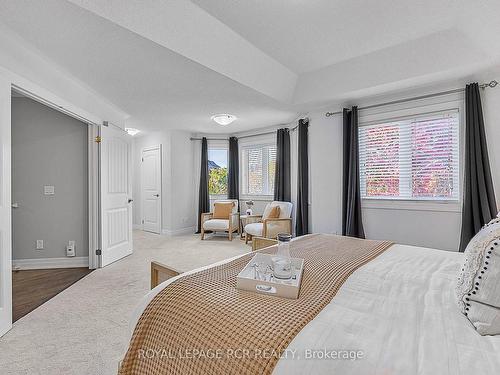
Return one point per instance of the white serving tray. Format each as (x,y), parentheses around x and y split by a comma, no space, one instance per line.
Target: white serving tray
(248,280)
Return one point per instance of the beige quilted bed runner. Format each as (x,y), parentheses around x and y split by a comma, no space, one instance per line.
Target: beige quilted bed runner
(201,324)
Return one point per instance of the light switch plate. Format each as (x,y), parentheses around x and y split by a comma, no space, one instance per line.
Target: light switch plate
(48,190)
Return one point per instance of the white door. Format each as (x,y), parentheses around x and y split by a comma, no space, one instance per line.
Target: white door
(151,189)
(5,211)
(116,194)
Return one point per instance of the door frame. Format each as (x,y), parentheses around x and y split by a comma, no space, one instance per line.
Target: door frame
(149,148)
(92,167)
(94,175)
(5,206)
(10,81)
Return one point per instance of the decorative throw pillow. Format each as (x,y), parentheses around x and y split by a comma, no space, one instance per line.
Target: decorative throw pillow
(222,210)
(274,213)
(478,288)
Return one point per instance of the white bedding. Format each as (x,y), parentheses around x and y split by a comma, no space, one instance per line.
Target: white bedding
(400,311)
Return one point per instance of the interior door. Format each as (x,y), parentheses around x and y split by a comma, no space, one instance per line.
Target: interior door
(116,194)
(151,189)
(5,210)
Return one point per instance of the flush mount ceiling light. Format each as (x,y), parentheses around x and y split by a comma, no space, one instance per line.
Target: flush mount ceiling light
(223,119)
(132,131)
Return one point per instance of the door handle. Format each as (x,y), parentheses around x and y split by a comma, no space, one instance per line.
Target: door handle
(15,205)
(156,195)
(130,200)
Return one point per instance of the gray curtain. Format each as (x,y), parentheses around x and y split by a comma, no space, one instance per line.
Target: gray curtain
(204,198)
(302,218)
(233,191)
(352,224)
(479,204)
(282,184)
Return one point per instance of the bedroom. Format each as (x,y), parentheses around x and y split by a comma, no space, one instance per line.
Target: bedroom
(166,68)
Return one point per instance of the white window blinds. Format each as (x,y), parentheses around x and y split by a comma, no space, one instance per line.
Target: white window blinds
(255,185)
(411,159)
(258,166)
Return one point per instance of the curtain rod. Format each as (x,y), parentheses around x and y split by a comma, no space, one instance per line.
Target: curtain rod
(250,136)
(482,86)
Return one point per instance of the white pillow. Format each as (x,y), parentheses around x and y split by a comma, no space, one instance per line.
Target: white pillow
(478,288)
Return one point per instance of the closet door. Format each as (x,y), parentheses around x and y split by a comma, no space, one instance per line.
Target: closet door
(151,189)
(116,194)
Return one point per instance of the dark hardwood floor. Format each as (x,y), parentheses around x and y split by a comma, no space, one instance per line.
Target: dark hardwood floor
(32,288)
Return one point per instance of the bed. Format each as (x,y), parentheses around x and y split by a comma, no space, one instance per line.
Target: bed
(395,314)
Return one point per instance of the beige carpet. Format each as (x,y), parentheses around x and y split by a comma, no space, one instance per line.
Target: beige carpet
(84,329)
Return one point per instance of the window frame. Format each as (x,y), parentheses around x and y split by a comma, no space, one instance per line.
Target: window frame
(419,108)
(217,145)
(257,142)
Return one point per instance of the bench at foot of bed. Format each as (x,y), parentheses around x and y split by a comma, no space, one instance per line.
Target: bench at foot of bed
(161,272)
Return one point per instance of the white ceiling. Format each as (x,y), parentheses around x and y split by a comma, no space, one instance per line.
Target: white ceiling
(157,87)
(306,35)
(173,64)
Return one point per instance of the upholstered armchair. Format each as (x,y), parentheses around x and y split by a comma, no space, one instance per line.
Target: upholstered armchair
(267,227)
(227,222)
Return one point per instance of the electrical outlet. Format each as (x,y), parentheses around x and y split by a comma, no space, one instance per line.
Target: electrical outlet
(39,244)
(71,249)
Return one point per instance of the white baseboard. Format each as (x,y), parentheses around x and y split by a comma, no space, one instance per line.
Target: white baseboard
(45,263)
(178,232)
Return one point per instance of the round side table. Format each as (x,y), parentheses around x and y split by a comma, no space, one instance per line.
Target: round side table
(243,219)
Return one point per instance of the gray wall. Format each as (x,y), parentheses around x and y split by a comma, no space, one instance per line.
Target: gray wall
(48,148)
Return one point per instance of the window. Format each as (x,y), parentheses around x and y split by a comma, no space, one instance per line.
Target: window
(411,159)
(258,166)
(217,170)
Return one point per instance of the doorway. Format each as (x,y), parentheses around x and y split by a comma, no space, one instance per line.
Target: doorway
(50,219)
(151,189)
(109,174)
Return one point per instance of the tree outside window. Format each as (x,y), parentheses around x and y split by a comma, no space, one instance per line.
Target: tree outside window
(217,170)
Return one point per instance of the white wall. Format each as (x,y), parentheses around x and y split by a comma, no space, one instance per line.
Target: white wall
(325,160)
(183,202)
(491,112)
(436,229)
(178,199)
